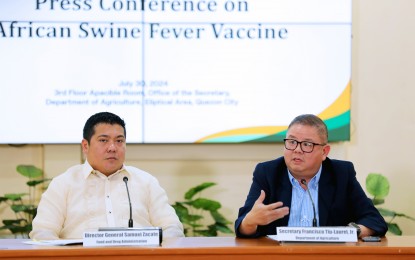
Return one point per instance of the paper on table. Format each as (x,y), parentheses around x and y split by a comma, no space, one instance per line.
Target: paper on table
(274,237)
(56,242)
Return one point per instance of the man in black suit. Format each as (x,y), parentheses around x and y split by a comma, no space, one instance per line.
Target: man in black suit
(278,195)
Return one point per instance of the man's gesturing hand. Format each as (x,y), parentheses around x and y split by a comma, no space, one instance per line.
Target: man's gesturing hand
(262,214)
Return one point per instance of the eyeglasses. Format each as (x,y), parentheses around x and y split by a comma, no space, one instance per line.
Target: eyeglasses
(307,147)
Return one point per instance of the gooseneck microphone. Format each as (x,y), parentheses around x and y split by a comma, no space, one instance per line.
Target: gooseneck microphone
(303,181)
(130,221)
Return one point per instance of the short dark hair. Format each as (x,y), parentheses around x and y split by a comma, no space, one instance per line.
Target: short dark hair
(314,121)
(101,118)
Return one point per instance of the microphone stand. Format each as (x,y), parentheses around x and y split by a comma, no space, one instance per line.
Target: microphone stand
(303,181)
(130,221)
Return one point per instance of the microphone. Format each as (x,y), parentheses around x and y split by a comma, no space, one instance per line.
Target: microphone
(130,221)
(303,181)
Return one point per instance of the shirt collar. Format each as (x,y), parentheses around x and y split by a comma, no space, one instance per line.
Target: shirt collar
(88,170)
(312,183)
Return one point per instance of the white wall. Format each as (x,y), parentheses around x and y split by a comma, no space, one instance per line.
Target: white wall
(383,108)
(383,123)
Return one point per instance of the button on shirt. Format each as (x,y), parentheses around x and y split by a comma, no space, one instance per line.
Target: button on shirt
(82,199)
(301,210)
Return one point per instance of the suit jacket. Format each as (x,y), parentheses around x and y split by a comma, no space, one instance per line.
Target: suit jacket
(341,199)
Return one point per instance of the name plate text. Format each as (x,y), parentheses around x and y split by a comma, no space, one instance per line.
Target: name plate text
(123,237)
(316,234)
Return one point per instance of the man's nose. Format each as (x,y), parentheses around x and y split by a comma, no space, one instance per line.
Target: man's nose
(111,146)
(299,148)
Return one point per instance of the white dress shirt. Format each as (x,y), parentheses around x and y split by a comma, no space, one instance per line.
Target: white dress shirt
(82,199)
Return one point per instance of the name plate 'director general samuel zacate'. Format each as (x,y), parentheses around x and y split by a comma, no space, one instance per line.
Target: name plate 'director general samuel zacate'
(124,237)
(316,234)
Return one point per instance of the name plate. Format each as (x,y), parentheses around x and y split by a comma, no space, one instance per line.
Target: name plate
(123,237)
(316,234)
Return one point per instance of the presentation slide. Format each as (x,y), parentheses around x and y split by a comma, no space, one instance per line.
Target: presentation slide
(196,71)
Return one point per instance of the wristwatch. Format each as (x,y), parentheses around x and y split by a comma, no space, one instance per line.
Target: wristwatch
(358,230)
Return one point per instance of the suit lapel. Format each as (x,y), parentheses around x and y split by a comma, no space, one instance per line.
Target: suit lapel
(285,188)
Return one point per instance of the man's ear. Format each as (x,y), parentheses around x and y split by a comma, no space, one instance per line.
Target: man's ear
(326,151)
(84,145)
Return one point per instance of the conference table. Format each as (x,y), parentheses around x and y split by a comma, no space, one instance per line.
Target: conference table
(391,247)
